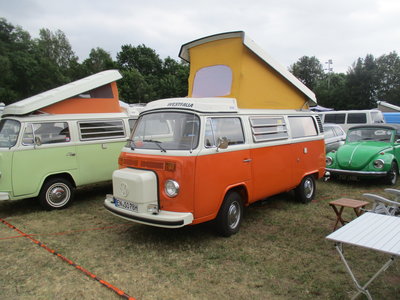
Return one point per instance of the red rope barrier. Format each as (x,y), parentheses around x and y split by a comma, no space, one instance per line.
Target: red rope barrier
(86,272)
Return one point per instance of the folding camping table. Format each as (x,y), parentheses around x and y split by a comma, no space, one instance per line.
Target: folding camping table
(372,231)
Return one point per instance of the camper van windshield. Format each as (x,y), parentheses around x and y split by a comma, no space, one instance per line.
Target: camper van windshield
(166,131)
(9,131)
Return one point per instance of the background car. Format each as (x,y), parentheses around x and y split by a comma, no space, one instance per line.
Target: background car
(370,151)
(334,137)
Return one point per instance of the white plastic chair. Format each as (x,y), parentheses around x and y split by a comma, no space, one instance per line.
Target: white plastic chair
(383,205)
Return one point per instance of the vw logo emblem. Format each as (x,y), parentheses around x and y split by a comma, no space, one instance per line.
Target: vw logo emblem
(123,188)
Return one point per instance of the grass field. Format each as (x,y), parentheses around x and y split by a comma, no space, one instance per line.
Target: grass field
(279,253)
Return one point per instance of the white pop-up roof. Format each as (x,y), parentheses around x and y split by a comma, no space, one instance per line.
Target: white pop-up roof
(61,93)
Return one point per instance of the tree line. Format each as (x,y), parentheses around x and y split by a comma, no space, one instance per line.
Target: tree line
(29,66)
(367,81)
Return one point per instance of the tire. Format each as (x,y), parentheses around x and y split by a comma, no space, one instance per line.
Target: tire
(230,215)
(391,177)
(305,192)
(56,193)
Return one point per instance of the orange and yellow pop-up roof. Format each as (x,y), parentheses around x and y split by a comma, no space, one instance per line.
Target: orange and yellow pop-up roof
(232,65)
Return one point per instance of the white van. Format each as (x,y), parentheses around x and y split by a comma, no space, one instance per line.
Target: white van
(349,118)
(61,139)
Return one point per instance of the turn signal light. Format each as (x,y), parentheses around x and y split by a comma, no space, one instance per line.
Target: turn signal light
(170,166)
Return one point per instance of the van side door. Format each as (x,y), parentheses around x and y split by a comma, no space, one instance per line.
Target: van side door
(46,148)
(219,169)
(100,144)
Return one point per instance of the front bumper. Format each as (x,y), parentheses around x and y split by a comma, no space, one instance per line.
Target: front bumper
(166,219)
(4,196)
(356,173)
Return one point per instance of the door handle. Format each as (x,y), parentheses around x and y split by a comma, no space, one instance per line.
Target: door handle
(247,160)
(71,154)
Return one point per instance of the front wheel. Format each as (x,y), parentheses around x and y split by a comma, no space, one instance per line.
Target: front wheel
(391,177)
(305,192)
(56,193)
(230,215)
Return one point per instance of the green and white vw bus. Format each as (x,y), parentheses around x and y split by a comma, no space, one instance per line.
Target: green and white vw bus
(45,153)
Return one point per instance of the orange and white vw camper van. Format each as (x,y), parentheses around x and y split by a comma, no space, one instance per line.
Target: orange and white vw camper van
(205,157)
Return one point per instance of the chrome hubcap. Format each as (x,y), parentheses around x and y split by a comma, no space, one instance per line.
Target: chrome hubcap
(308,188)
(58,194)
(234,215)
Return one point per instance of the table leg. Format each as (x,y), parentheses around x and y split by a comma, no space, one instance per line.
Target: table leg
(358,211)
(339,216)
(363,290)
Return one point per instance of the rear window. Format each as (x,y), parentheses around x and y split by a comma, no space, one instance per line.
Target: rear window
(92,130)
(335,118)
(357,118)
(302,127)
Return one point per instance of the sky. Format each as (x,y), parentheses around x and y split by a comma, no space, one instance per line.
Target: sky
(340,30)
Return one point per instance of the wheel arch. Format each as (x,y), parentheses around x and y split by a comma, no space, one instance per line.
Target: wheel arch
(64,175)
(241,189)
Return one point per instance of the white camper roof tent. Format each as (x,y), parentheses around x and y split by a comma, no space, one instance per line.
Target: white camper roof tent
(61,93)
(253,47)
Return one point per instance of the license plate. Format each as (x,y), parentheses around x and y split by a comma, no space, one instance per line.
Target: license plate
(126,205)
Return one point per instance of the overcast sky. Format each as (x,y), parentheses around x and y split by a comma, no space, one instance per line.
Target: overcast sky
(341,30)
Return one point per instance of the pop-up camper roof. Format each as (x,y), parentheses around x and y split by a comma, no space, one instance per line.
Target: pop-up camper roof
(232,65)
(97,93)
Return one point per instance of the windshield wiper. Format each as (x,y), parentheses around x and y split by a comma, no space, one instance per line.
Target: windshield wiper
(158,143)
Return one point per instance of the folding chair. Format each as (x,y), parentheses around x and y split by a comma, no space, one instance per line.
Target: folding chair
(383,205)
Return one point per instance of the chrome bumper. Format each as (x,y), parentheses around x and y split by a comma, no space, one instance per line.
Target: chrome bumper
(166,219)
(356,173)
(4,196)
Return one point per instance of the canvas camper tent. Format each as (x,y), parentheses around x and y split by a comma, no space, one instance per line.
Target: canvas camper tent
(97,93)
(232,65)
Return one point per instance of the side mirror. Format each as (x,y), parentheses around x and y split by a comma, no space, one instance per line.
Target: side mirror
(222,143)
(38,141)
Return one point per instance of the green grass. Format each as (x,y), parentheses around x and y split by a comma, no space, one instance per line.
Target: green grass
(280,253)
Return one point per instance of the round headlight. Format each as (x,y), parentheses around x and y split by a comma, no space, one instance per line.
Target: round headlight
(378,163)
(328,160)
(171,188)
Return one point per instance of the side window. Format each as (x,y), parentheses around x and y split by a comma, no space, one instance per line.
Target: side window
(356,118)
(47,133)
(231,128)
(92,130)
(302,127)
(335,118)
(132,123)
(329,132)
(268,128)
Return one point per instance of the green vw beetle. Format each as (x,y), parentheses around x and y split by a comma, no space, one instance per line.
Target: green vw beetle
(370,151)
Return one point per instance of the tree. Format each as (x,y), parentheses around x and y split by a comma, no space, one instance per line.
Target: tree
(330,91)
(98,60)
(361,84)
(308,70)
(146,77)
(388,76)
(17,62)
(145,60)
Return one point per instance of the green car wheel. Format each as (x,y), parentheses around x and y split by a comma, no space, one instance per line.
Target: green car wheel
(391,177)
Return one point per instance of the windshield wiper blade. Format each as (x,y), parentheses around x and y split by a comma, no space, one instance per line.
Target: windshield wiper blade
(158,143)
